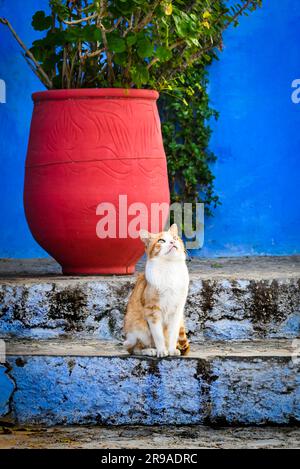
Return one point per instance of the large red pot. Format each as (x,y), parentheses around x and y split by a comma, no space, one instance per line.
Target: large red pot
(87,147)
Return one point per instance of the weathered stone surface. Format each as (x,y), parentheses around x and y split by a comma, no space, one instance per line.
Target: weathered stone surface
(51,309)
(231,268)
(6,390)
(107,348)
(152,437)
(255,391)
(232,299)
(233,383)
(98,390)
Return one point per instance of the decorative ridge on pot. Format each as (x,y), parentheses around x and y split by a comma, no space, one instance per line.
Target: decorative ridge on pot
(90,93)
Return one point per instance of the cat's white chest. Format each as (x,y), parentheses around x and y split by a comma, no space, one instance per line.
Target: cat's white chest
(171,279)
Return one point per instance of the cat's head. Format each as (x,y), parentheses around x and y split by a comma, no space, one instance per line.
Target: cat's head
(165,245)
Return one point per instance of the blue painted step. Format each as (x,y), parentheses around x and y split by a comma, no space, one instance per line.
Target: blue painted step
(96,382)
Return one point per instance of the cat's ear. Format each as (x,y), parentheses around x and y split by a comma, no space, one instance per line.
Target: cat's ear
(145,236)
(173,229)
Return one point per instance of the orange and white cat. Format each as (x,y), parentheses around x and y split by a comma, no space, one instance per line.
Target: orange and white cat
(154,320)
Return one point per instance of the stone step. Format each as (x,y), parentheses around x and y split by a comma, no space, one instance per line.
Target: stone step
(67,382)
(229,299)
(152,437)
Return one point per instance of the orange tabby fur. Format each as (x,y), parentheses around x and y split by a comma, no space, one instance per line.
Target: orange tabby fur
(157,301)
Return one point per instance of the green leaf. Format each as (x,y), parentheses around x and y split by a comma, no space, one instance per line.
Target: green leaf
(116,44)
(180,26)
(192,41)
(186,26)
(40,21)
(60,9)
(74,34)
(163,54)
(144,48)
(56,37)
(121,59)
(38,52)
(50,62)
(91,33)
(131,39)
(140,74)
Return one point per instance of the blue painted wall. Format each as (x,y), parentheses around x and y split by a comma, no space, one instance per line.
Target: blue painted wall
(257,137)
(15,116)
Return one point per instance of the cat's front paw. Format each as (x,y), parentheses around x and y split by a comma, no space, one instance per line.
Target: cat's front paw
(151,352)
(174,353)
(162,352)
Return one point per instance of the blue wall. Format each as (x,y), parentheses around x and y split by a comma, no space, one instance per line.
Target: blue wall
(15,115)
(257,137)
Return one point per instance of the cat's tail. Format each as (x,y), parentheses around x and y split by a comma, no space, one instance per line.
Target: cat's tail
(183,344)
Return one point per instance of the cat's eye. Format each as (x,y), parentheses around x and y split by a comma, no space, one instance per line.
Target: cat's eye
(161,240)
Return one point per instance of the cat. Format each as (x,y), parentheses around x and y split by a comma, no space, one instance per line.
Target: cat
(154,320)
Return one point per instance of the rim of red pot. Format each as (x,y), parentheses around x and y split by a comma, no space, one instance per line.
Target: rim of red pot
(90,93)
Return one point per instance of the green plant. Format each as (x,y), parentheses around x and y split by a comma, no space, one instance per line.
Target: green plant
(126,43)
(186,133)
(160,44)
(186,112)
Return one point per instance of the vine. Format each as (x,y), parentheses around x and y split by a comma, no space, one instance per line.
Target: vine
(186,132)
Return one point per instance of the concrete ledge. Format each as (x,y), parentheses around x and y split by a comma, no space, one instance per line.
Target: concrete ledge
(106,348)
(254,267)
(152,437)
(229,299)
(96,383)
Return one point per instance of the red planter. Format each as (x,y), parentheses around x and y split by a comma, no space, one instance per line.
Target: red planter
(87,147)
